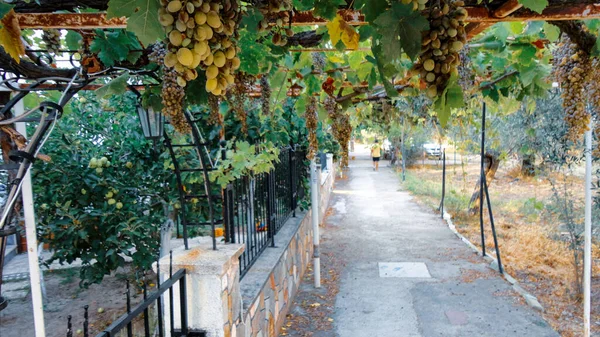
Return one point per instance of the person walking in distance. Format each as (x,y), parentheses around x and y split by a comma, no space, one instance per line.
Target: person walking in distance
(376,154)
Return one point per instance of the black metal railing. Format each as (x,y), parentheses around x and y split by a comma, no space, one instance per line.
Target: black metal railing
(256,207)
(139,315)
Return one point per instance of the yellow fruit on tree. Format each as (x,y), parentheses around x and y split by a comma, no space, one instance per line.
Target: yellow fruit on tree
(197,60)
(212,71)
(170,60)
(230,53)
(175,38)
(219,59)
(185,57)
(211,84)
(217,91)
(181,81)
(166,19)
(200,47)
(208,60)
(235,63)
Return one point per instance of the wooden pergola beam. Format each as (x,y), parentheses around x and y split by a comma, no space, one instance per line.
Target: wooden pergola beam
(476,15)
(503,11)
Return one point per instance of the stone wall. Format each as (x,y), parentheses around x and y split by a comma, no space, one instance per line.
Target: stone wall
(271,284)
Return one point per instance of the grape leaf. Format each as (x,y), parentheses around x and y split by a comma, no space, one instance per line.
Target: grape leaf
(327,9)
(452,97)
(401,27)
(535,5)
(251,20)
(144,22)
(4,9)
(371,8)
(113,46)
(73,39)
(253,55)
(119,8)
(303,5)
(339,29)
(10,36)
(551,31)
(389,88)
(115,87)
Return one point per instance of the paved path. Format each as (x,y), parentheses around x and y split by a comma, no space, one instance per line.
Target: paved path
(376,222)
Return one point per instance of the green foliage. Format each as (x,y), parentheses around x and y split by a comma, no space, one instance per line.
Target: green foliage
(327,9)
(452,97)
(244,159)
(371,8)
(114,87)
(400,29)
(535,5)
(4,9)
(115,46)
(100,198)
(72,39)
(142,18)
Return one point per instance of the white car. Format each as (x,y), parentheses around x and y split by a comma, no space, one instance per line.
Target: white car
(434,150)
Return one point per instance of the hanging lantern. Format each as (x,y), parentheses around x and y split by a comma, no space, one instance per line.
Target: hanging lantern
(152,122)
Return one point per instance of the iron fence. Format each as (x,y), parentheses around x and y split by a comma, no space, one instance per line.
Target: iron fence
(256,207)
(140,314)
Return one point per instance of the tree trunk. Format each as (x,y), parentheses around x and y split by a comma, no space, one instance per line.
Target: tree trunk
(490,166)
(528,165)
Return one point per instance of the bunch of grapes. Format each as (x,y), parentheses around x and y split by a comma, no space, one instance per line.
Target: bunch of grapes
(418,5)
(201,34)
(265,95)
(214,117)
(340,125)
(277,11)
(237,97)
(171,92)
(442,44)
(51,38)
(311,124)
(572,69)
(466,75)
(318,62)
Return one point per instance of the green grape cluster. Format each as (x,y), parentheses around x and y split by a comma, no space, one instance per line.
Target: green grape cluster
(51,38)
(312,121)
(572,69)
(418,5)
(278,12)
(201,35)
(172,93)
(441,45)
(466,75)
(265,95)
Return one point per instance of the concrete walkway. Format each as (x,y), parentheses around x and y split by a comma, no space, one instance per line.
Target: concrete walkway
(375,223)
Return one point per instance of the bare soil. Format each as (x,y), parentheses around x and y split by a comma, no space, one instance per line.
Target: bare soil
(106,301)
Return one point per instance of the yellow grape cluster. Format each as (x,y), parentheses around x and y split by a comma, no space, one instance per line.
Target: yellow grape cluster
(442,44)
(418,5)
(276,11)
(172,93)
(340,126)
(201,34)
(214,117)
(572,69)
(51,38)
(312,122)
(237,96)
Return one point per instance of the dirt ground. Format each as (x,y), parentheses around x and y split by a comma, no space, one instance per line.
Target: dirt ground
(107,301)
(532,240)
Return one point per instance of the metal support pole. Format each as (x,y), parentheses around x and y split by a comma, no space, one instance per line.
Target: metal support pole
(481,177)
(489,207)
(314,202)
(35,274)
(443,183)
(402,151)
(587,250)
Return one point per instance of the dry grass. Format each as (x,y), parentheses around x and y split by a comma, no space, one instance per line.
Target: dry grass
(527,234)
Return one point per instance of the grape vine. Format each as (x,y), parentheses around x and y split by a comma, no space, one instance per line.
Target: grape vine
(201,34)
(441,45)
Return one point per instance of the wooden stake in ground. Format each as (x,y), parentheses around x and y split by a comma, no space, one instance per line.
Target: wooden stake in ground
(491,163)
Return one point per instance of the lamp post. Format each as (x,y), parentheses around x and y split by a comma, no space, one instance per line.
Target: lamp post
(152,122)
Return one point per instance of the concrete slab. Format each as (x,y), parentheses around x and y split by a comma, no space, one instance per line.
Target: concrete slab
(404,269)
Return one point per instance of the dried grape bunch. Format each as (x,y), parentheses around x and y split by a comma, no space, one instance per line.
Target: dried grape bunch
(265,95)
(214,117)
(51,38)
(201,34)
(171,92)
(572,68)
(466,75)
(311,124)
(418,5)
(278,13)
(237,96)
(318,62)
(441,45)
